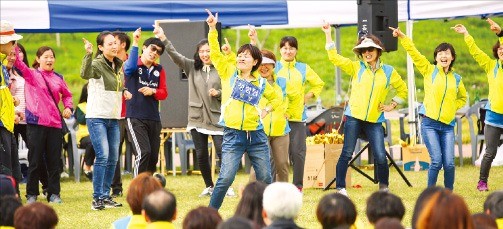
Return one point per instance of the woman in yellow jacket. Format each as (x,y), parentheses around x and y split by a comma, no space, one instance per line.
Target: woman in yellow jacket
(494,108)
(241,117)
(371,80)
(444,94)
(297,75)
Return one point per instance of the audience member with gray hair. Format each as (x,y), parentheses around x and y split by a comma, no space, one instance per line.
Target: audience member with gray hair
(159,209)
(281,202)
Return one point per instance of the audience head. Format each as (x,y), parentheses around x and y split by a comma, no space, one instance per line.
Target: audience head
(336,210)
(35,216)
(161,178)
(281,201)
(8,37)
(159,206)
(445,209)
(494,205)
(246,52)
(8,206)
(141,186)
(250,205)
(202,55)
(202,218)
(288,47)
(484,221)
(7,186)
(421,201)
(384,204)
(237,222)
(388,223)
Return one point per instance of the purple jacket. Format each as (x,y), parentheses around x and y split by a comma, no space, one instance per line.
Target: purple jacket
(40,107)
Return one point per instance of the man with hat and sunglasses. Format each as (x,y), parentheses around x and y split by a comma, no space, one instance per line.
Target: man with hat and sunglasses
(9,159)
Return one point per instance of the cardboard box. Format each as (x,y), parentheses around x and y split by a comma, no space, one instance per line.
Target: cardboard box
(415,158)
(319,168)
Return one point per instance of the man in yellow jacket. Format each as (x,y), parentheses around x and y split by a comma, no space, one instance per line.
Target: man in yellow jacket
(9,158)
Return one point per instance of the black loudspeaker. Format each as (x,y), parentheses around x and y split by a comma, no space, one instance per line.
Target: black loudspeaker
(184,36)
(375,16)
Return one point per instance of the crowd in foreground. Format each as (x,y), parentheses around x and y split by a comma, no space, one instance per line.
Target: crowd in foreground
(276,205)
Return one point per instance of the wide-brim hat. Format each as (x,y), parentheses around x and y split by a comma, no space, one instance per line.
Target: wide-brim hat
(366,43)
(7,33)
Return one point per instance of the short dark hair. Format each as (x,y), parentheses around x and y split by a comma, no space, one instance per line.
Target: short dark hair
(8,206)
(250,205)
(160,206)
(384,204)
(482,220)
(124,38)
(154,41)
(237,222)
(494,203)
(444,47)
(202,217)
(495,49)
(335,210)
(255,52)
(292,41)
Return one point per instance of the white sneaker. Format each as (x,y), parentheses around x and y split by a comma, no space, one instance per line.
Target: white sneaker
(64,175)
(230,192)
(343,191)
(206,192)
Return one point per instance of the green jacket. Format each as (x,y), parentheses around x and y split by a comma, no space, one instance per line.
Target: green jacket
(105,87)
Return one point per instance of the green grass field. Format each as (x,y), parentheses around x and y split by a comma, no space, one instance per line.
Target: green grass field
(75,212)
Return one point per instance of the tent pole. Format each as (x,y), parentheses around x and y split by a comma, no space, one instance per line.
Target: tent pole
(412,89)
(338,91)
(58,40)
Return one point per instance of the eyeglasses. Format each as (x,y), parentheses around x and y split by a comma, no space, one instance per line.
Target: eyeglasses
(154,48)
(370,49)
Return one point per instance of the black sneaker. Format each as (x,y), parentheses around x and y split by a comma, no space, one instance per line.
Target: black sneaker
(97,205)
(89,175)
(110,203)
(116,194)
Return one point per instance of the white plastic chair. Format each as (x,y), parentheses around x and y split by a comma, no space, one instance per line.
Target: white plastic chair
(76,152)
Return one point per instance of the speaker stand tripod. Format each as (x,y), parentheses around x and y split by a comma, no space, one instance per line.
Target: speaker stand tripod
(373,179)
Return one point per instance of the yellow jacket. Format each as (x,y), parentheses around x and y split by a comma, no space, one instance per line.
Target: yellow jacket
(275,123)
(444,93)
(494,74)
(7,113)
(369,89)
(236,114)
(297,76)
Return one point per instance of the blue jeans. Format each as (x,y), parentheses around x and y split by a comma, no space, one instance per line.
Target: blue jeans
(104,135)
(235,143)
(375,136)
(439,140)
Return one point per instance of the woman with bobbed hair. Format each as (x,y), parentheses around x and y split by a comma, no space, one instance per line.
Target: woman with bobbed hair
(445,210)
(202,218)
(444,94)
(250,205)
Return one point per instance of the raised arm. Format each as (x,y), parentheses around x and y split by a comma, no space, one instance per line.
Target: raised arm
(86,72)
(224,68)
(480,56)
(180,60)
(252,34)
(344,63)
(421,62)
(131,64)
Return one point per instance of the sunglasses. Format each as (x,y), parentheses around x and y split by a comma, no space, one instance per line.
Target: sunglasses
(155,49)
(370,49)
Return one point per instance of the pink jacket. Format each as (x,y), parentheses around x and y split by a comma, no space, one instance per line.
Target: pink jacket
(40,107)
